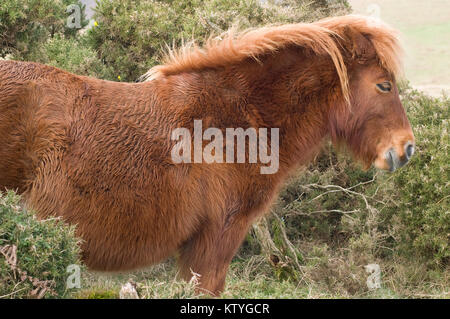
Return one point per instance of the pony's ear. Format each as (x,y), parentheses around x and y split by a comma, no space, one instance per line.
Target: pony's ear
(359,46)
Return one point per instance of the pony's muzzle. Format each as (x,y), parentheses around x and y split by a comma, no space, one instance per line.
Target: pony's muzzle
(395,160)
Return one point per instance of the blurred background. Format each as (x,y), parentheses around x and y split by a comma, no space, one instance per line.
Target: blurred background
(425,28)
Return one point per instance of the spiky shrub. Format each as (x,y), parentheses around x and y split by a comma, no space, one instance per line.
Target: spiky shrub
(72,55)
(26,23)
(422,212)
(34,254)
(130,35)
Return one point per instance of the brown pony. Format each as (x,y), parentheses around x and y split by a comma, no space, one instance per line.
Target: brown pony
(98,153)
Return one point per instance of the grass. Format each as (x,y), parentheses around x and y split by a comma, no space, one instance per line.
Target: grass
(253,278)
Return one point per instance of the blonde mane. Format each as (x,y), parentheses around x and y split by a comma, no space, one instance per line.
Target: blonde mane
(319,36)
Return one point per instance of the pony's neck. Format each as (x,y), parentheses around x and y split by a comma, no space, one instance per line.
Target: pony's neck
(293,91)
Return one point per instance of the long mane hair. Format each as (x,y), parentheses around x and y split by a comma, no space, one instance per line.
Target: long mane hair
(326,36)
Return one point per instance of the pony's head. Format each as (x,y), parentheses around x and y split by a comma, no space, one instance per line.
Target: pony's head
(375,126)
(373,123)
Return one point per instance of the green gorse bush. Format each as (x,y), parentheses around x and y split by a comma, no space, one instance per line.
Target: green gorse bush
(422,210)
(34,254)
(27,23)
(72,55)
(132,35)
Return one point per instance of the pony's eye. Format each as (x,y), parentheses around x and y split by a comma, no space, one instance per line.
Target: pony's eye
(384,87)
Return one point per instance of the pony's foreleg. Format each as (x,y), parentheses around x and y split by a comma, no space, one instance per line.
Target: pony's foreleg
(209,252)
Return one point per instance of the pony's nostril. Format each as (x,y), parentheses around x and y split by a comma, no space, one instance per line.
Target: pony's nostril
(391,159)
(409,150)
(394,161)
